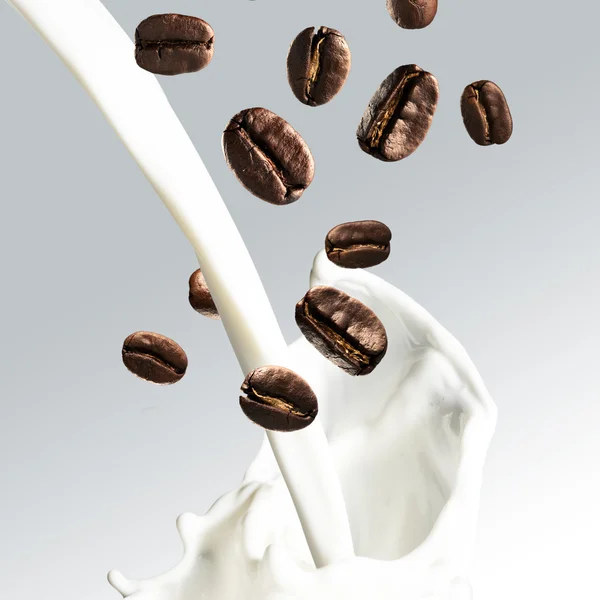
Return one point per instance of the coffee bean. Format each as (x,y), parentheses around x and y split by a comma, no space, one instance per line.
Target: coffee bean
(412,14)
(486,114)
(342,329)
(318,65)
(173,44)
(199,296)
(358,245)
(399,114)
(268,156)
(154,357)
(278,399)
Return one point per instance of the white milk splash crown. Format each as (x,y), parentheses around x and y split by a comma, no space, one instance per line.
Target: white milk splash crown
(408,442)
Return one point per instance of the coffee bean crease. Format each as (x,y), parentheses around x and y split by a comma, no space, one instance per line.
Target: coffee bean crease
(389,109)
(266,153)
(278,399)
(316,60)
(399,115)
(279,403)
(343,344)
(318,65)
(342,328)
(155,358)
(476,95)
(179,43)
(360,246)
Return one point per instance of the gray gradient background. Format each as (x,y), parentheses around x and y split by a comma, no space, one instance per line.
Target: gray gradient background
(500,244)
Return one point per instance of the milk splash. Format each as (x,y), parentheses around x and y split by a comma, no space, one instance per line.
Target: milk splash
(409,444)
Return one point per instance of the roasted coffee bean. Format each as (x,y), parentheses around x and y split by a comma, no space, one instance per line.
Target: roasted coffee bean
(412,14)
(278,399)
(268,156)
(399,114)
(154,357)
(342,329)
(200,299)
(486,114)
(173,44)
(318,65)
(359,244)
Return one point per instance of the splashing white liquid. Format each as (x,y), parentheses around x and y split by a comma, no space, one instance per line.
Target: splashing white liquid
(409,443)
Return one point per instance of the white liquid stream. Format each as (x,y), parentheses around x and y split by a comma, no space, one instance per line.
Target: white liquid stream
(407,443)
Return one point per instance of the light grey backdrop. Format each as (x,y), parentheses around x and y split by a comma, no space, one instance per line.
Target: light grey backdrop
(500,244)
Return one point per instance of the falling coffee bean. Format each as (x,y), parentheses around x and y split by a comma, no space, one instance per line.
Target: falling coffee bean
(154,357)
(342,329)
(278,399)
(412,14)
(199,296)
(399,114)
(318,65)
(268,156)
(359,244)
(486,114)
(172,44)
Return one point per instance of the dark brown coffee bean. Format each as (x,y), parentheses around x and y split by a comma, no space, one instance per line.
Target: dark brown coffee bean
(173,44)
(358,245)
(200,299)
(399,114)
(154,357)
(342,329)
(486,114)
(318,65)
(278,399)
(412,14)
(268,156)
